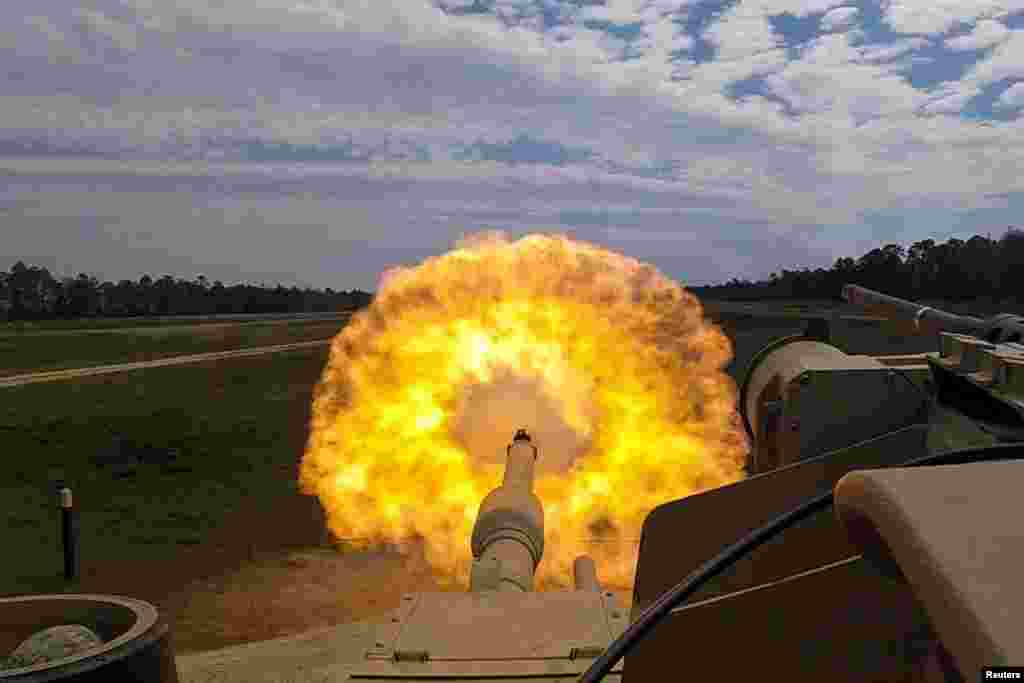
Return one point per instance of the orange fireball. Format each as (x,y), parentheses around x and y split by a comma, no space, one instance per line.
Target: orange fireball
(608,364)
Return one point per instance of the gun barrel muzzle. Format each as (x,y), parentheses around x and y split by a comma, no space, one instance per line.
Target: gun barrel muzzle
(521,456)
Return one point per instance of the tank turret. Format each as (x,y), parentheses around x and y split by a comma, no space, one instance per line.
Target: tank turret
(845,554)
(501,628)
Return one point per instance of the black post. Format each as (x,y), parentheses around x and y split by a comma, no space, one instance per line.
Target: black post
(69,534)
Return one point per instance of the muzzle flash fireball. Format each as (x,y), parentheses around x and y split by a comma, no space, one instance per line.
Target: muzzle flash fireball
(609,364)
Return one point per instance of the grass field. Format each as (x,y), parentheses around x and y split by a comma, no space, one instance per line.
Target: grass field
(42,351)
(220,442)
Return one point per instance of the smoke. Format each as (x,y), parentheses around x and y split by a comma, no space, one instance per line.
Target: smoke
(488,414)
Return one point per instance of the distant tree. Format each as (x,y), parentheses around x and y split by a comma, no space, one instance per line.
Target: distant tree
(978,268)
(32,292)
(19,286)
(921,266)
(978,260)
(1011,263)
(82,295)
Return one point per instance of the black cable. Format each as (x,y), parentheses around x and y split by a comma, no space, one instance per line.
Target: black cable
(671,599)
(913,385)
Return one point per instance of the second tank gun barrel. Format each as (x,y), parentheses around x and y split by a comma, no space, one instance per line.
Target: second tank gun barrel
(997,329)
(924,318)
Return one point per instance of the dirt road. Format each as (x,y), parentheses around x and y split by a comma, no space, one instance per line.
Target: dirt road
(201,324)
(58,375)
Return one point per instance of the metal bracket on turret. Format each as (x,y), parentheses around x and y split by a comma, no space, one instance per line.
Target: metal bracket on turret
(485,573)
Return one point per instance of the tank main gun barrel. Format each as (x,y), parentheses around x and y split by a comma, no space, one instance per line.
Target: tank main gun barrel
(508,536)
(924,318)
(584,573)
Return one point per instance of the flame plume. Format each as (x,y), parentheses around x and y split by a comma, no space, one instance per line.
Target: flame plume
(608,364)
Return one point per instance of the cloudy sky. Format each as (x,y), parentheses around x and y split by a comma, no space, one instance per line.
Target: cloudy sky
(319,141)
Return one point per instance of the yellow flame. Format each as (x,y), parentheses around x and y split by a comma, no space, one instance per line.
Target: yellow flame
(609,364)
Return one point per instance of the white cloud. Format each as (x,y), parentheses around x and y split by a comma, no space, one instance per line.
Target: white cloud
(630,234)
(44,38)
(985,34)
(616,11)
(46,27)
(122,35)
(938,16)
(741,32)
(883,53)
(951,102)
(829,78)
(802,8)
(1013,96)
(719,73)
(840,19)
(1006,61)
(661,37)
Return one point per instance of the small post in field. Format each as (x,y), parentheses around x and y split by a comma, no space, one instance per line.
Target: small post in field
(69,532)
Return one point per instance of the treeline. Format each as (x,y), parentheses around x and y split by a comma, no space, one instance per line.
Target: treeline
(978,269)
(33,293)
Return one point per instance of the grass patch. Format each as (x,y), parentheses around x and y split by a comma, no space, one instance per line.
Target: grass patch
(221,443)
(43,351)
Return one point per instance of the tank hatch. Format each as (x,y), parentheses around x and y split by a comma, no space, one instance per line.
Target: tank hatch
(953,532)
(494,634)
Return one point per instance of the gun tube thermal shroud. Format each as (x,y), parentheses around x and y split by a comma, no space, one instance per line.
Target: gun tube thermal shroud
(508,536)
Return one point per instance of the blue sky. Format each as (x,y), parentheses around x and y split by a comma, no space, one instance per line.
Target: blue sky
(321,141)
